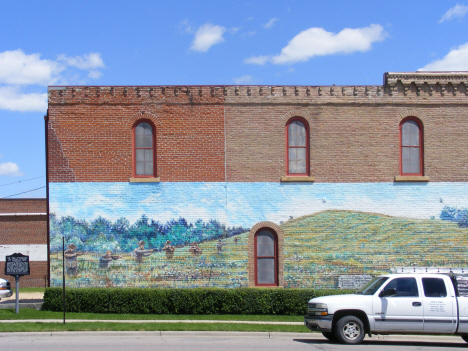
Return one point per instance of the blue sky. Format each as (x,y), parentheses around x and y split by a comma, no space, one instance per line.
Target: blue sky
(239,204)
(203,42)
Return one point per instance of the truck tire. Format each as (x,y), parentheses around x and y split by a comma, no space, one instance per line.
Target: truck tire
(329,335)
(464,337)
(349,330)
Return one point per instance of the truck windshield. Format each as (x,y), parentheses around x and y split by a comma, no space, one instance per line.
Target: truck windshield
(372,286)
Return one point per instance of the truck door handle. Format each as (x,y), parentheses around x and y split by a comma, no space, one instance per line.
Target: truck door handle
(416,304)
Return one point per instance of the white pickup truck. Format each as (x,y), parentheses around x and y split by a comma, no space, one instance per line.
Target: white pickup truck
(392,304)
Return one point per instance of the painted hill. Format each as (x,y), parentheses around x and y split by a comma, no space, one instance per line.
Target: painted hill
(324,245)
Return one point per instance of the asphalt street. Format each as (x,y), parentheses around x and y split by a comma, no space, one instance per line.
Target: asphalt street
(198,341)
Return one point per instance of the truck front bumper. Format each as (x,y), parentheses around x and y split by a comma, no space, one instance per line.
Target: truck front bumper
(322,323)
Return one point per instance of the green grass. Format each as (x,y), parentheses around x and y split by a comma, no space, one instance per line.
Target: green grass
(28,313)
(109,326)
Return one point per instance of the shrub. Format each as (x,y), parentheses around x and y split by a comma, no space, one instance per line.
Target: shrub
(184,301)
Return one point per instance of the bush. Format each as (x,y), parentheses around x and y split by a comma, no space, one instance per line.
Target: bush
(184,301)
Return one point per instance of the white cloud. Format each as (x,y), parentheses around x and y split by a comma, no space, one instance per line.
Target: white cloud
(257,60)
(10,169)
(13,99)
(244,80)
(318,42)
(18,68)
(456,11)
(270,23)
(207,36)
(20,71)
(87,62)
(455,60)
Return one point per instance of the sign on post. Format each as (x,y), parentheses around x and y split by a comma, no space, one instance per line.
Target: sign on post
(17,265)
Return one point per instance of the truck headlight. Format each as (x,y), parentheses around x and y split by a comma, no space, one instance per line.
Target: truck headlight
(317,309)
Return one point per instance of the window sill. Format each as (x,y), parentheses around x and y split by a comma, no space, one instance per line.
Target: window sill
(411,178)
(297,179)
(144,180)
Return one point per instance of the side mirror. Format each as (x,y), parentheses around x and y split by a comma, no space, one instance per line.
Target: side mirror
(387,293)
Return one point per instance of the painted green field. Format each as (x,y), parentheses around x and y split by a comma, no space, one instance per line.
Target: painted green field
(317,250)
(322,246)
(227,269)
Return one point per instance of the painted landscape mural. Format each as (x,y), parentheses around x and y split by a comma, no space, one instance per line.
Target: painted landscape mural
(195,234)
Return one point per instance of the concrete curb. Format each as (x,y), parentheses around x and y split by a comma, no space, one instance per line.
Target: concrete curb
(200,334)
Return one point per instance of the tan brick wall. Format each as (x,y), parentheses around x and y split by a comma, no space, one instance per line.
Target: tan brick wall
(353,143)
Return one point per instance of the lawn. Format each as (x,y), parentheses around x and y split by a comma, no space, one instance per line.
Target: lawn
(29,313)
(150,326)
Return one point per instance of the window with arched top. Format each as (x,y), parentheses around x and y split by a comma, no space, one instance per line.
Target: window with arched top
(411,147)
(297,147)
(266,258)
(144,155)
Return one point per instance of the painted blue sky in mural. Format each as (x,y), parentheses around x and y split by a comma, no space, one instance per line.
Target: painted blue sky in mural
(245,204)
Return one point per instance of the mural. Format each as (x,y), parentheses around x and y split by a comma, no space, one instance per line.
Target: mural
(195,234)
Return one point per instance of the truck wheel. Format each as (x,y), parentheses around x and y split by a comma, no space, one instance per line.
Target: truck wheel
(464,337)
(329,335)
(350,330)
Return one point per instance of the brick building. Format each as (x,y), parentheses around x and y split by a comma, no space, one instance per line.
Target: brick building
(23,229)
(292,186)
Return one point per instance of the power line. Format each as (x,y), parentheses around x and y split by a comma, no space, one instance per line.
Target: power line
(24,192)
(21,181)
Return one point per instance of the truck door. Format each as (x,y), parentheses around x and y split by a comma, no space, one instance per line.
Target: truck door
(439,309)
(401,311)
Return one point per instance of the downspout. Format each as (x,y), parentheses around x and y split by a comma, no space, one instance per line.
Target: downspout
(46,124)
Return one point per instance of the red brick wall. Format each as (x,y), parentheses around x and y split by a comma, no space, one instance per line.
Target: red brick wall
(23,205)
(90,133)
(25,230)
(37,278)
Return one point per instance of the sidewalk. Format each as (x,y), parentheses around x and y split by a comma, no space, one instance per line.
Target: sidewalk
(24,296)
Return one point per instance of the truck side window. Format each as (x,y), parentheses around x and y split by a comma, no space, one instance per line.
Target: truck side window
(405,287)
(434,287)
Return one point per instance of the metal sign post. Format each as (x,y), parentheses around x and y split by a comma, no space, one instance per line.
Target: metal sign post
(63,277)
(17,265)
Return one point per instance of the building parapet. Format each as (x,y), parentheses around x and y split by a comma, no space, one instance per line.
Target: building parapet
(402,86)
(429,78)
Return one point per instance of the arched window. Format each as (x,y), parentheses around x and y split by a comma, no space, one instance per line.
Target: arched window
(297,147)
(411,147)
(144,155)
(266,258)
